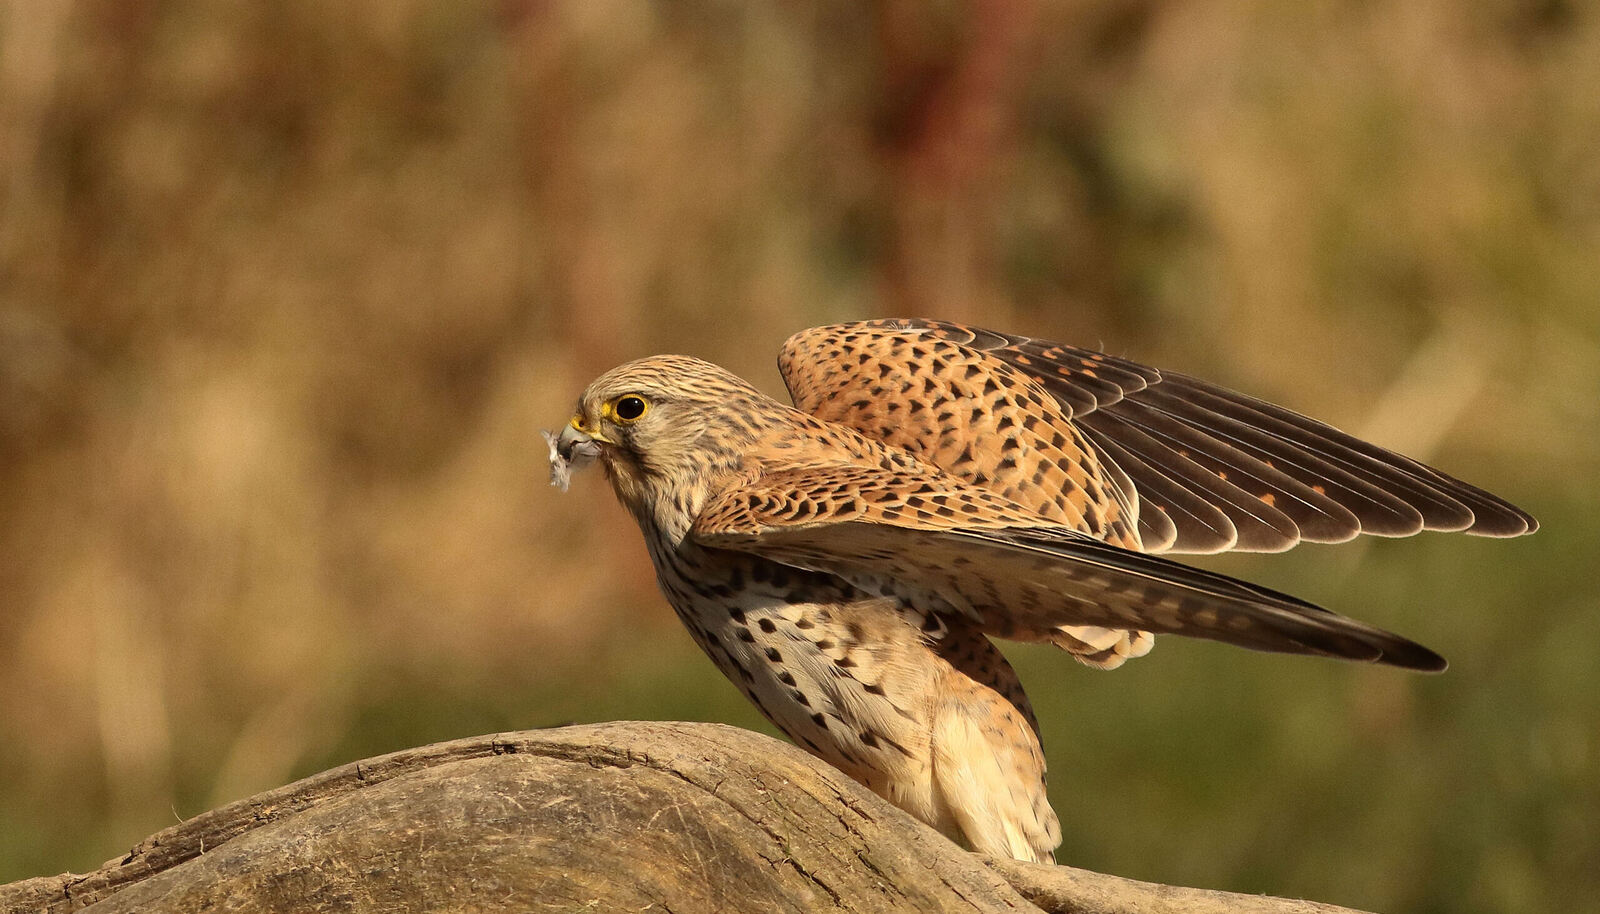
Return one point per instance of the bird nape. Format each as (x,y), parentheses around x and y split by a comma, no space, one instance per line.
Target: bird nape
(845,560)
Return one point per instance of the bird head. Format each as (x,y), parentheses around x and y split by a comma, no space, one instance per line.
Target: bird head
(664,424)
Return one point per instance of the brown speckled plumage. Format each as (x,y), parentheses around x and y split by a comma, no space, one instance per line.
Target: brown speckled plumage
(846,561)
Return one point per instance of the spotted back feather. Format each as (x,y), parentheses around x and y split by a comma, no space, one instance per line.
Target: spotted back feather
(972,416)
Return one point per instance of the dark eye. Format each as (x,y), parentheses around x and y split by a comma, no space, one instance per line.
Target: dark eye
(629,408)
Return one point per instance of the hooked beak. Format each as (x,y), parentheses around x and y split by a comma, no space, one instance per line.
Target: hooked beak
(574,449)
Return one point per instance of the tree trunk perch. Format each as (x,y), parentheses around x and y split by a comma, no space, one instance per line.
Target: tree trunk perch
(606,817)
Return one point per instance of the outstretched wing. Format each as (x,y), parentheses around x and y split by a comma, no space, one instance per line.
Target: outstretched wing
(1198,468)
(946,546)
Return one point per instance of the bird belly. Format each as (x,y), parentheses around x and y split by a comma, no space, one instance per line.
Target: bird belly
(849,681)
(889,696)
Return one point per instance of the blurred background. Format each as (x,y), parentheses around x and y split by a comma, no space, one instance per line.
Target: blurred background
(288,289)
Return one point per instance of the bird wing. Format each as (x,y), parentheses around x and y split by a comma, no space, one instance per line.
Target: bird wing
(1205,469)
(946,546)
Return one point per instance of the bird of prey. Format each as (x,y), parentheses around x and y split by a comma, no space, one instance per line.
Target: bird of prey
(845,561)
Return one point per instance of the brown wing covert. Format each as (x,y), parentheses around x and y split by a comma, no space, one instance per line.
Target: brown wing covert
(956,408)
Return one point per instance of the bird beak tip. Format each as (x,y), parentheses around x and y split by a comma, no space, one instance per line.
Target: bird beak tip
(571,450)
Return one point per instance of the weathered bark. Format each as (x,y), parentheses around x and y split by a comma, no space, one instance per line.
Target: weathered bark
(607,817)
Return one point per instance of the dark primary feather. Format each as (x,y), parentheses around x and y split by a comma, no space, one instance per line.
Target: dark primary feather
(1445,503)
(1166,504)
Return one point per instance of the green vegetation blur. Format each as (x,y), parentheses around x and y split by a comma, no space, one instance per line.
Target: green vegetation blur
(287,291)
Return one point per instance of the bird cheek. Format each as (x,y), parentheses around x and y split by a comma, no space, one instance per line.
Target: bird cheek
(620,464)
(627,483)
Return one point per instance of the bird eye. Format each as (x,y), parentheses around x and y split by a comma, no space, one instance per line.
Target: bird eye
(629,408)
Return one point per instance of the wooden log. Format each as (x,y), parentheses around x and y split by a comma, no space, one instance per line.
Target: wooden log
(605,817)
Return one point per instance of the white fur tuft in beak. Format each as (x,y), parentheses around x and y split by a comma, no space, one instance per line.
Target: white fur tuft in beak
(569,451)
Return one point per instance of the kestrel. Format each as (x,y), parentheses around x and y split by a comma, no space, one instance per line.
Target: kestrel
(846,560)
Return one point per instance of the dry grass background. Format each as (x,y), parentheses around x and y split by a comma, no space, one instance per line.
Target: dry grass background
(286,291)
